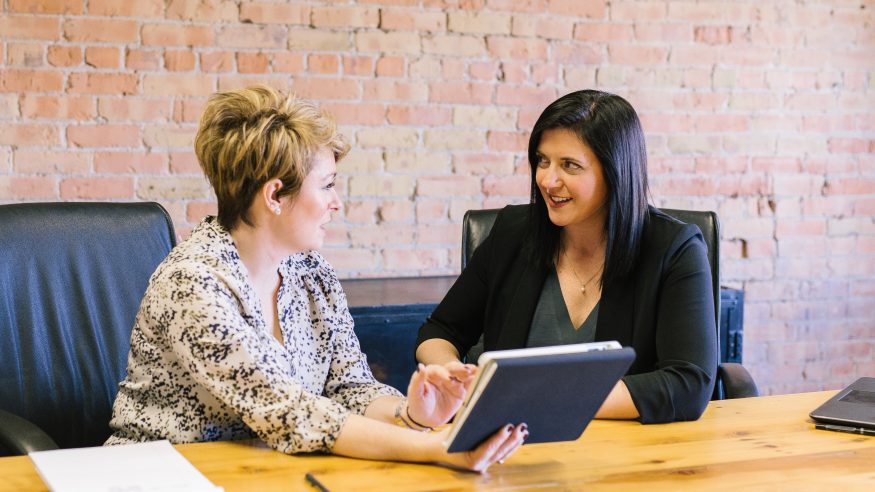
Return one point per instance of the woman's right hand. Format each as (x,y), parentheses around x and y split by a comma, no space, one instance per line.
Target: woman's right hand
(497,448)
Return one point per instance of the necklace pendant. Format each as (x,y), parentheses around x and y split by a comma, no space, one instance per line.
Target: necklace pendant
(582,290)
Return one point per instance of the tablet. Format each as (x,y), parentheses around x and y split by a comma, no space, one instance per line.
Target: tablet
(555,390)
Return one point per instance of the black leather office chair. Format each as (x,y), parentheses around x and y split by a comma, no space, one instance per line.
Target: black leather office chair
(733,380)
(72,276)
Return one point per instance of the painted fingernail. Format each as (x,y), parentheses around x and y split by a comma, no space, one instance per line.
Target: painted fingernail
(508,428)
(524,427)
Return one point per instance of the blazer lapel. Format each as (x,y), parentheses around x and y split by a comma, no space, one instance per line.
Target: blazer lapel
(525,297)
(616,312)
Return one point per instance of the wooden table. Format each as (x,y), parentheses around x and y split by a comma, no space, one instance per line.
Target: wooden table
(765,443)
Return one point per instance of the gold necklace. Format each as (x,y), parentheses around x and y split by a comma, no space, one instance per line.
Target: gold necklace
(582,284)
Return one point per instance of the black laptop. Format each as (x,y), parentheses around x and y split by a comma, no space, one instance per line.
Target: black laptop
(850,410)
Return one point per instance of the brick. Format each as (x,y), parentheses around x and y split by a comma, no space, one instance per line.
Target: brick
(517,5)
(429,115)
(323,64)
(72,7)
(137,59)
(178,85)
(414,259)
(288,62)
(445,186)
(417,162)
(274,13)
(345,17)
(102,83)
(48,162)
(57,107)
(461,92)
(454,69)
(850,186)
(381,186)
(525,96)
(482,163)
(397,137)
(221,61)
(382,235)
(431,211)
(253,36)
(504,48)
(484,117)
(133,109)
(396,211)
(637,55)
(184,162)
(167,137)
(357,113)
(25,55)
(196,211)
(29,27)
(524,26)
(24,80)
(589,10)
(28,134)
(438,234)
(849,145)
(176,35)
(253,63)
(179,61)
(172,188)
(28,187)
(361,162)
(130,163)
(455,139)
(9,106)
(100,30)
(327,88)
(352,259)
(319,40)
(507,141)
(392,90)
(598,32)
(202,10)
(234,82)
(425,68)
(507,186)
(413,21)
(390,66)
(455,45)
(110,135)
(358,65)
(478,22)
(360,212)
(102,57)
(97,188)
(388,42)
(126,8)
(64,56)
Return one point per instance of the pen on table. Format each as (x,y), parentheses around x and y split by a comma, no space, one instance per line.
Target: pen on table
(312,480)
(845,428)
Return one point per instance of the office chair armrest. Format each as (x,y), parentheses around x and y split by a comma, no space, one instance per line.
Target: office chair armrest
(737,382)
(19,436)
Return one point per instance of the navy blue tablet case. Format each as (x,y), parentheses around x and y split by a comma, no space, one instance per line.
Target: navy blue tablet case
(555,395)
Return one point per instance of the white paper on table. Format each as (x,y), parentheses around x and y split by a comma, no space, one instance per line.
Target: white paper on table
(149,466)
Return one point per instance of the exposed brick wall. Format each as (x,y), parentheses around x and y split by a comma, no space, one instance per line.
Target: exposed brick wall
(761,110)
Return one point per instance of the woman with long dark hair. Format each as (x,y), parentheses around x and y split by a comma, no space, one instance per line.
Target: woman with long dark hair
(589,260)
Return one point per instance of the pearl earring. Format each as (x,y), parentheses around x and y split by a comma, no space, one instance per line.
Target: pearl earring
(276,210)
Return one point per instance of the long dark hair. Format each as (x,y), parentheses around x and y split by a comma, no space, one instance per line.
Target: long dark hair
(608,124)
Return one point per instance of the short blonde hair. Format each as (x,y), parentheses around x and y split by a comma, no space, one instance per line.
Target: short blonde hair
(250,136)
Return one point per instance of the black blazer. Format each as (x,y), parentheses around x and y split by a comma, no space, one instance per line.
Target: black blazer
(664,310)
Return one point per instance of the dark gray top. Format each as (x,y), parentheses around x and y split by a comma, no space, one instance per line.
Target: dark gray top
(551,324)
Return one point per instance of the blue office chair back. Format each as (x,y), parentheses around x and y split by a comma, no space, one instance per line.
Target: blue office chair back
(72,276)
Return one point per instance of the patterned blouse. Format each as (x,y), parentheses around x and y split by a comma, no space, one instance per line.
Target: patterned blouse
(203,365)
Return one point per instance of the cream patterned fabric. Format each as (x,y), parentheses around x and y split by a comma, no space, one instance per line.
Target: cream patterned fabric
(204,367)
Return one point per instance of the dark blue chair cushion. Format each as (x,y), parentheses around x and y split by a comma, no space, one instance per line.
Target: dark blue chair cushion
(72,276)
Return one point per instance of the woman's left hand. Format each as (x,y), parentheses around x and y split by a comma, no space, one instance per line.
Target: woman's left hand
(437,391)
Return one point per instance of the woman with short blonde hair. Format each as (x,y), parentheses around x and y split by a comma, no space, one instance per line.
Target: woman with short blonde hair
(244,330)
